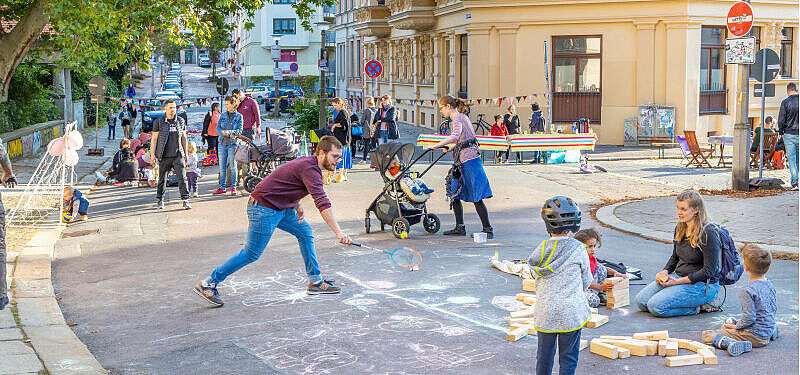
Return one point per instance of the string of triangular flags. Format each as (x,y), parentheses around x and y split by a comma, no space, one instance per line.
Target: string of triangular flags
(488,101)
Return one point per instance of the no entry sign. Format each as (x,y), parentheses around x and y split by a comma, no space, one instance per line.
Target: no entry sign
(740,19)
(373,68)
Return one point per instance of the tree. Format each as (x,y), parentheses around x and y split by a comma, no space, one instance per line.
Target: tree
(117,32)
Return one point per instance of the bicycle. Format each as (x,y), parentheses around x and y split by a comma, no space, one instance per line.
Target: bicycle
(444,127)
(481,126)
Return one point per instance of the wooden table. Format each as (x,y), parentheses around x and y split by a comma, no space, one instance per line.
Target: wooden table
(721,140)
(661,146)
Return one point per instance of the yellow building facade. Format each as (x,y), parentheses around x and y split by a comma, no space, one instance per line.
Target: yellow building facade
(604,59)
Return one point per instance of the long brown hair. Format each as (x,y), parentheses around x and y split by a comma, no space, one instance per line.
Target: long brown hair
(458,104)
(345,106)
(693,228)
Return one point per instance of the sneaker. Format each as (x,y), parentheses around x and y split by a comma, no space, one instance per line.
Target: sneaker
(84,217)
(186,205)
(160,204)
(195,194)
(233,191)
(219,191)
(323,287)
(489,232)
(209,294)
(794,187)
(734,347)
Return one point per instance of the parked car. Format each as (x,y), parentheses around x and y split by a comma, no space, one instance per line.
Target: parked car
(258,91)
(154,111)
(205,62)
(285,94)
(297,90)
(161,96)
(174,87)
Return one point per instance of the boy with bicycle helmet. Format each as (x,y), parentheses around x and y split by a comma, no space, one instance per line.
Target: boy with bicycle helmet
(561,269)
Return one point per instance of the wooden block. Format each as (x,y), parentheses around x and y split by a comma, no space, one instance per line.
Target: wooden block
(684,360)
(528,313)
(617,304)
(683,343)
(517,334)
(593,310)
(619,283)
(521,296)
(637,349)
(623,353)
(529,300)
(653,336)
(597,320)
(528,285)
(708,357)
(615,337)
(662,277)
(532,330)
(662,348)
(520,321)
(695,346)
(512,327)
(584,344)
(605,350)
(672,348)
(652,346)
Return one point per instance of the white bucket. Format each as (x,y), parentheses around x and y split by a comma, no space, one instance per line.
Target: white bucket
(479,237)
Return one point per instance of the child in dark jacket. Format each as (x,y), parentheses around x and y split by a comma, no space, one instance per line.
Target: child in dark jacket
(76,206)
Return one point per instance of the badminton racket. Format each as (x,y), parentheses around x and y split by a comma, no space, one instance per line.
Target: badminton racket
(401,256)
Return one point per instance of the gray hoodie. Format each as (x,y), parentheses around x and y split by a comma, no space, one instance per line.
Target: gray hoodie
(560,267)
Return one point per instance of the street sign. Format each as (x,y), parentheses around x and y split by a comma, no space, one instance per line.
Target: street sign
(98,86)
(222,86)
(294,67)
(373,68)
(277,74)
(773,65)
(770,90)
(275,52)
(323,65)
(740,19)
(237,69)
(98,99)
(740,50)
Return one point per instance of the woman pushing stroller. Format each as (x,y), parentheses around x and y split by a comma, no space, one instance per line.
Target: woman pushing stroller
(467,180)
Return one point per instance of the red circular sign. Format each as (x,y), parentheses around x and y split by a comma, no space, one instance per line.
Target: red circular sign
(740,19)
(373,68)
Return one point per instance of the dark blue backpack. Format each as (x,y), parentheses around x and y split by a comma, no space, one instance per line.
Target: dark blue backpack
(731,267)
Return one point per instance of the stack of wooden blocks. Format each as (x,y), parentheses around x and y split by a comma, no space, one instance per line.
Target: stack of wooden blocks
(619,295)
(520,322)
(654,343)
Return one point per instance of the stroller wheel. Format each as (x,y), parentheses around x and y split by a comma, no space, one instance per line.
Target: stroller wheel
(400,225)
(431,223)
(366,224)
(250,183)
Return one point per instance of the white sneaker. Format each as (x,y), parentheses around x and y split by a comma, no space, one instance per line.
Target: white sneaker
(195,194)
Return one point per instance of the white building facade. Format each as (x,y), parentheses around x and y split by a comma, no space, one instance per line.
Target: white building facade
(349,54)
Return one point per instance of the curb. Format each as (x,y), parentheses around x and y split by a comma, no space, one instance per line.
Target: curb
(40,317)
(606,216)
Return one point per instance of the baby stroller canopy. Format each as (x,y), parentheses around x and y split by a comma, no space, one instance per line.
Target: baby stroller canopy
(384,155)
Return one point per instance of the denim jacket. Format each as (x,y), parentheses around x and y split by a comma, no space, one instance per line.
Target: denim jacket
(229,122)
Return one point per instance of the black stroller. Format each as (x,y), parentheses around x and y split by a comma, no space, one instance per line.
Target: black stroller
(281,146)
(401,204)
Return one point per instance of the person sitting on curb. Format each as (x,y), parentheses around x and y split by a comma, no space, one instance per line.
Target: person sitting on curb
(8,181)
(689,279)
(595,295)
(76,206)
(757,326)
(275,203)
(124,166)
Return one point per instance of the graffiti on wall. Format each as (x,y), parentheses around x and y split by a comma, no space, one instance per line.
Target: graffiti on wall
(32,143)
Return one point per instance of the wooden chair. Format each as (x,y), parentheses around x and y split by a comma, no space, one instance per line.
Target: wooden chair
(699,155)
(770,142)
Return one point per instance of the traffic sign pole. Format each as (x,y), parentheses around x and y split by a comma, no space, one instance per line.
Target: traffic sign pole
(763,123)
(739,21)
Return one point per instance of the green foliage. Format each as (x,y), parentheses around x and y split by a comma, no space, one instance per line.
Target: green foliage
(31,98)
(307,113)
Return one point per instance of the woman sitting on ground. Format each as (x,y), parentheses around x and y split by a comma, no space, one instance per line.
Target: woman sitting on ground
(124,167)
(688,281)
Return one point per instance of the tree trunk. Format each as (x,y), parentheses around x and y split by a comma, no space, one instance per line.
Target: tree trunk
(16,44)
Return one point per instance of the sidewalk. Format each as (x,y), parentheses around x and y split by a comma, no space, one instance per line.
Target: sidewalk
(768,221)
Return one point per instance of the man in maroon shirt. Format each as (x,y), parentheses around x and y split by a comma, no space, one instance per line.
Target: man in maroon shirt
(251,115)
(275,203)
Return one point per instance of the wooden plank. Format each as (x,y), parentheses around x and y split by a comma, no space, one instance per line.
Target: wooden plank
(623,353)
(672,348)
(617,304)
(584,344)
(684,360)
(635,348)
(708,357)
(532,330)
(527,313)
(653,336)
(529,300)
(683,343)
(597,320)
(521,296)
(652,346)
(605,350)
(662,348)
(695,346)
(593,310)
(616,337)
(520,320)
(517,334)
(662,277)
(528,285)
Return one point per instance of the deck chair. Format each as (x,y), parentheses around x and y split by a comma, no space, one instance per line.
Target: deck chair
(770,142)
(699,155)
(684,147)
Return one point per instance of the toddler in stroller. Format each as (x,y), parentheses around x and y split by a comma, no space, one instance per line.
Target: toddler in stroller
(282,146)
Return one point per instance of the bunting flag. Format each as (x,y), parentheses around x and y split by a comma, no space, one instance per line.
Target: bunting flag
(500,101)
(519,99)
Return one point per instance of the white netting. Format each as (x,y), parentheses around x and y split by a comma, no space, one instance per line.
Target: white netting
(38,203)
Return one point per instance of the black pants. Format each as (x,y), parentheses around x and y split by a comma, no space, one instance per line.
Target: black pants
(367,146)
(178,166)
(212,142)
(480,208)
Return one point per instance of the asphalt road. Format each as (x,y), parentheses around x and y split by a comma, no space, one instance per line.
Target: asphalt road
(127,286)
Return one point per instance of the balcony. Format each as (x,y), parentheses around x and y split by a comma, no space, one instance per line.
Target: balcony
(412,14)
(371,19)
(330,38)
(713,102)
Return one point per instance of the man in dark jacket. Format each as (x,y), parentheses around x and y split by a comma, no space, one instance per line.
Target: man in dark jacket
(787,126)
(168,146)
(537,126)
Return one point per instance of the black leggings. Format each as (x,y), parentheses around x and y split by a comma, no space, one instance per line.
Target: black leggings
(480,207)
(212,142)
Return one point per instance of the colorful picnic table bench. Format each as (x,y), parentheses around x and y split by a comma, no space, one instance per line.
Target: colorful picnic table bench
(524,142)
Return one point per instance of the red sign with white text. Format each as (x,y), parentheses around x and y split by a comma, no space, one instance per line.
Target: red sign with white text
(740,19)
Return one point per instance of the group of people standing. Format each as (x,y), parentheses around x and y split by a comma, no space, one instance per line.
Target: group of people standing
(127,116)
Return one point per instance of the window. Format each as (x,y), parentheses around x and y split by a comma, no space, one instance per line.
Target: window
(359,65)
(577,64)
(713,92)
(464,66)
(755,31)
(786,51)
(283,26)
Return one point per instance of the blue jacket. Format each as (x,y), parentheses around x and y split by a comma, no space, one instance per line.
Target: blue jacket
(83,203)
(229,122)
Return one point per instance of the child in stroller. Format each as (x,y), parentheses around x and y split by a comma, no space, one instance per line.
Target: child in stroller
(410,182)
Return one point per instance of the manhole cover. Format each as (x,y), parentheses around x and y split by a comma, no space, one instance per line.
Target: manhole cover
(79,233)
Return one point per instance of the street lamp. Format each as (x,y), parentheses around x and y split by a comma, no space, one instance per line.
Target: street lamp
(323,27)
(275,52)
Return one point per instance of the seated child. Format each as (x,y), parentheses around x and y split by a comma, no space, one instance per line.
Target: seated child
(757,326)
(560,267)
(76,206)
(416,185)
(192,169)
(124,167)
(600,283)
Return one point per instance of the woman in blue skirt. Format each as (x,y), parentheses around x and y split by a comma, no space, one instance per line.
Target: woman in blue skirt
(342,132)
(467,180)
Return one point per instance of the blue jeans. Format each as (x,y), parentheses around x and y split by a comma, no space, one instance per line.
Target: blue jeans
(112,131)
(227,162)
(791,142)
(263,222)
(677,300)
(383,136)
(569,344)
